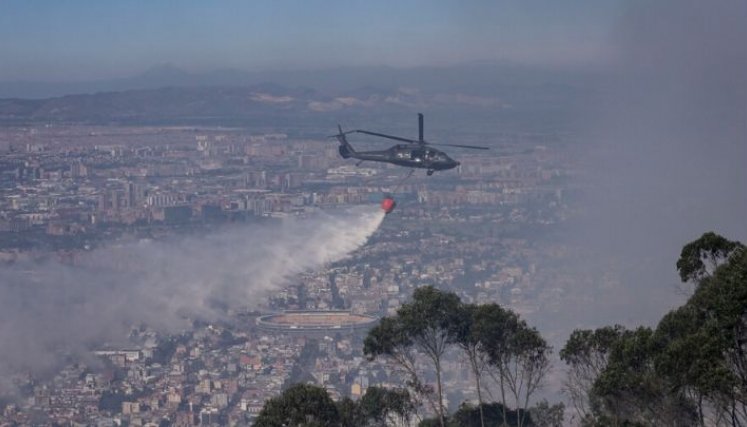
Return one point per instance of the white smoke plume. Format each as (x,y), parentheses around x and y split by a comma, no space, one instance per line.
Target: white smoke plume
(49,308)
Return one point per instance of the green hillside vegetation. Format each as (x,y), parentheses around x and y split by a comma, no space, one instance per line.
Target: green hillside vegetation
(689,370)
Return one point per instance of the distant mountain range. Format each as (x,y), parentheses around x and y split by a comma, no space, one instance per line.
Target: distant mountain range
(168,94)
(471,78)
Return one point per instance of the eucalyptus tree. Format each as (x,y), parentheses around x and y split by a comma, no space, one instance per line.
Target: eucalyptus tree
(422,326)
(468,339)
(703,344)
(711,248)
(586,353)
(517,354)
(631,391)
(299,405)
(389,339)
(692,368)
(310,405)
(381,407)
(525,367)
(491,330)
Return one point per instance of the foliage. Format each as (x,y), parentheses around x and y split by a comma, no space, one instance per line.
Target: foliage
(545,415)
(518,353)
(709,247)
(629,390)
(385,339)
(350,416)
(692,368)
(299,405)
(309,405)
(703,344)
(494,339)
(586,353)
(431,422)
(378,404)
(424,325)
(493,414)
(468,339)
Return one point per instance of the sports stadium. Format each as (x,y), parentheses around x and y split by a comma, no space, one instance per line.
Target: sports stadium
(316,322)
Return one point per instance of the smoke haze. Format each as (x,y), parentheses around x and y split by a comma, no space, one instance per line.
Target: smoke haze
(50,308)
(669,151)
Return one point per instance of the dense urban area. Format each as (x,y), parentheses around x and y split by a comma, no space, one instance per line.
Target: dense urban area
(67,190)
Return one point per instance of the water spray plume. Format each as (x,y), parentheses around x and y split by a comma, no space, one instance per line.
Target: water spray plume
(49,307)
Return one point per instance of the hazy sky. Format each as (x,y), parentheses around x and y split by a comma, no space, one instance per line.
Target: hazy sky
(64,40)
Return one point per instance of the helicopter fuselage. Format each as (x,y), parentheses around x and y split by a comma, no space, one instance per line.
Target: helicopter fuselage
(408,155)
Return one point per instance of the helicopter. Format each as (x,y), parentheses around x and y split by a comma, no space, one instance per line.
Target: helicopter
(416,153)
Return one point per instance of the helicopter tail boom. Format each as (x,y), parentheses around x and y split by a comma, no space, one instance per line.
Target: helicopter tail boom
(346,150)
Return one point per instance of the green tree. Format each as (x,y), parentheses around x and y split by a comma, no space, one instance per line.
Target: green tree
(468,339)
(691,369)
(350,415)
(389,339)
(309,405)
(703,344)
(380,407)
(545,415)
(492,327)
(494,339)
(526,366)
(494,414)
(629,391)
(425,325)
(710,247)
(586,353)
(299,405)
(517,352)
(491,414)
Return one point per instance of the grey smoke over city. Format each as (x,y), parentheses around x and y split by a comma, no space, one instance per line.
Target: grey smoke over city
(668,151)
(50,309)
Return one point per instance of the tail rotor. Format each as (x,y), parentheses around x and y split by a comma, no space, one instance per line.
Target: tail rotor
(346,150)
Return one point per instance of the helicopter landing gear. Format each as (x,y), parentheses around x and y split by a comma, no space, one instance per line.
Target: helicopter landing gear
(430,172)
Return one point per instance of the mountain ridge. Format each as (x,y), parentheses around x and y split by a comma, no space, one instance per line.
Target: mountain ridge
(470,77)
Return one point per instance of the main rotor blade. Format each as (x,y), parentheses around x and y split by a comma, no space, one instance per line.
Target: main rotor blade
(340,134)
(472,147)
(415,141)
(527,151)
(396,138)
(515,153)
(420,127)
